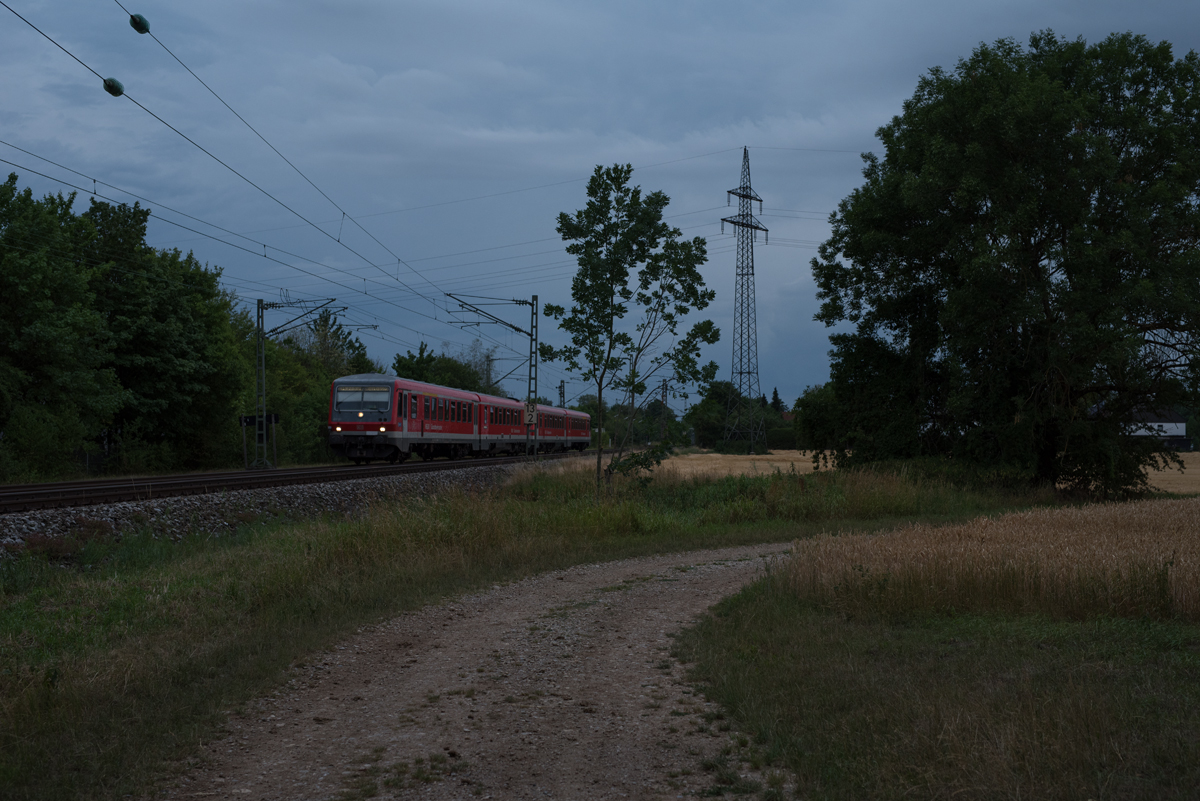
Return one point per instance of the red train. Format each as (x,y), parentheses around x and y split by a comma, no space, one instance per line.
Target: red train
(373,416)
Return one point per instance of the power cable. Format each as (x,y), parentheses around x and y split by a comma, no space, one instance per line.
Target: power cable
(121,92)
(202,233)
(323,278)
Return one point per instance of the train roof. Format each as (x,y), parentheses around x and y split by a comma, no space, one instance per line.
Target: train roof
(494,399)
(365,377)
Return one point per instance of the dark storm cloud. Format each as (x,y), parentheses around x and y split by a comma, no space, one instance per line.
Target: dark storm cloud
(389,106)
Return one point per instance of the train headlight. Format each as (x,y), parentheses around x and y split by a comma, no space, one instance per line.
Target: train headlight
(339,428)
(383,428)
(360,414)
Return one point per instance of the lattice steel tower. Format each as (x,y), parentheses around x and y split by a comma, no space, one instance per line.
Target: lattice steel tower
(744,415)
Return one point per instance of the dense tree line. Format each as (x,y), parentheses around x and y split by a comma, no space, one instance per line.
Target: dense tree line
(473,371)
(116,357)
(708,418)
(1021,266)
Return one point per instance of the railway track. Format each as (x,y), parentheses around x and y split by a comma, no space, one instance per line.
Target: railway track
(25,497)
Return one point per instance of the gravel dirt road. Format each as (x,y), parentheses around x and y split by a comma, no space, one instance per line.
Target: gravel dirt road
(559,686)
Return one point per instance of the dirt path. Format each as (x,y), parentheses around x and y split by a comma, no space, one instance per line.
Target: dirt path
(559,686)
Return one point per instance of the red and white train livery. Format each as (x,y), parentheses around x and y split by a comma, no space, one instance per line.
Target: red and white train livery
(373,416)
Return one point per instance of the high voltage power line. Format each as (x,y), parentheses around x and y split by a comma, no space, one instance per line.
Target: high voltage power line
(345,215)
(323,279)
(120,92)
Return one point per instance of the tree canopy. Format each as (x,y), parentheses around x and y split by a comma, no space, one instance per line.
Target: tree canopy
(118,357)
(1021,266)
(630,260)
(472,372)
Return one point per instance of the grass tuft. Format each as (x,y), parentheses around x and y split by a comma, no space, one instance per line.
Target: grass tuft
(1041,654)
(118,661)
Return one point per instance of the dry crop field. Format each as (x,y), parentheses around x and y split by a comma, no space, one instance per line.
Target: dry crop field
(1184,482)
(1137,559)
(716,464)
(1051,653)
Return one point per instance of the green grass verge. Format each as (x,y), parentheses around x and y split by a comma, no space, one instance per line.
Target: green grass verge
(944,706)
(118,659)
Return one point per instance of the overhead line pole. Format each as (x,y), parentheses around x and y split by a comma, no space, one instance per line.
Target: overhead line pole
(261,462)
(532,387)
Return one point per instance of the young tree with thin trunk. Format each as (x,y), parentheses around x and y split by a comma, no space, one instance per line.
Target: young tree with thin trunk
(630,261)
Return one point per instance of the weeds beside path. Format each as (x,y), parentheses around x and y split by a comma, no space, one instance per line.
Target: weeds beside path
(127,656)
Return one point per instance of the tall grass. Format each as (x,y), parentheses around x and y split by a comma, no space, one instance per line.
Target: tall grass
(1050,653)
(119,657)
(1135,560)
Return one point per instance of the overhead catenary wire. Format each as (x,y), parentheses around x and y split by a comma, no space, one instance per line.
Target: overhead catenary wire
(215,158)
(324,279)
(302,217)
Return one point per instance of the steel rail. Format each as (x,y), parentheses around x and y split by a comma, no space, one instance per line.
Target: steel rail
(28,497)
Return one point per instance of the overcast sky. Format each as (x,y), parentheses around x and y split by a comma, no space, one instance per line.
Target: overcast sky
(455,132)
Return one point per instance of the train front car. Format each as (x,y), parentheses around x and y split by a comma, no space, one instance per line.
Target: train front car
(362,418)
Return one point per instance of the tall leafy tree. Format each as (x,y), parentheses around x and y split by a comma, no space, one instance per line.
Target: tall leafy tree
(446,370)
(707,418)
(630,260)
(57,388)
(174,350)
(1021,266)
(334,347)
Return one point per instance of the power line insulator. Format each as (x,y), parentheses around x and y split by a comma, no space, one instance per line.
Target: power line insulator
(139,23)
(113,87)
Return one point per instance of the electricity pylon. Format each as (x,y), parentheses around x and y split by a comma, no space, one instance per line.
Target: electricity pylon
(743,415)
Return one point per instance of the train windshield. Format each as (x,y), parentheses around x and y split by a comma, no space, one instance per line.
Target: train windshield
(363,399)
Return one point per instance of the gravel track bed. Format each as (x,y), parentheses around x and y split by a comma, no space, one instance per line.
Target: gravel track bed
(222,512)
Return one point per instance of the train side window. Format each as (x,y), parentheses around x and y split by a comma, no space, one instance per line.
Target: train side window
(412,406)
(426,407)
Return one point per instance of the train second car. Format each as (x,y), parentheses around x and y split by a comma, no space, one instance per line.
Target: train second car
(381,417)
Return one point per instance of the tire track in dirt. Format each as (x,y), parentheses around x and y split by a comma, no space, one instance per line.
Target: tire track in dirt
(557,686)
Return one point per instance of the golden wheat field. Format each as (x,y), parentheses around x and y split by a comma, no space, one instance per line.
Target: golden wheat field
(1136,559)
(716,464)
(1175,481)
